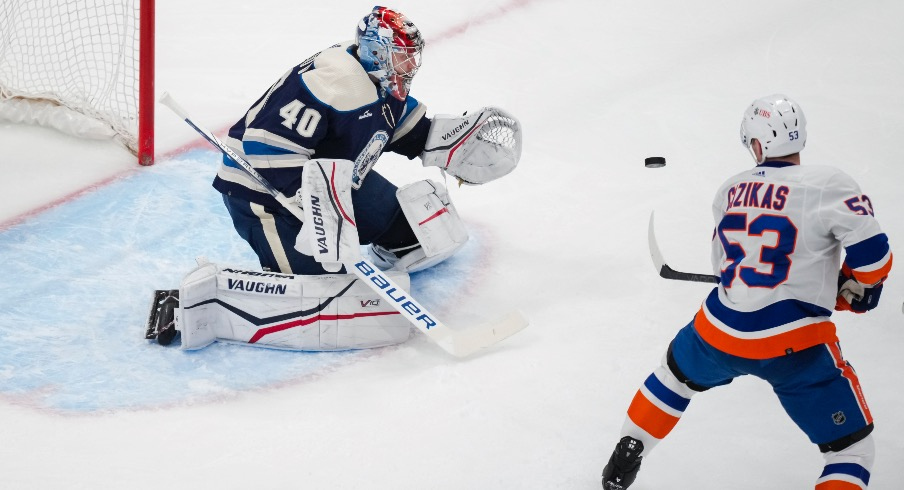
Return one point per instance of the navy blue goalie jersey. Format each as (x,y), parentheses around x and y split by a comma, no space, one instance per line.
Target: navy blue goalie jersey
(325,107)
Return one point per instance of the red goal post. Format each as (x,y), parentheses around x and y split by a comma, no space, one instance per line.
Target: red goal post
(83,67)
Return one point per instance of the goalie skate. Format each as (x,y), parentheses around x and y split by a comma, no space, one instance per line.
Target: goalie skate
(161,323)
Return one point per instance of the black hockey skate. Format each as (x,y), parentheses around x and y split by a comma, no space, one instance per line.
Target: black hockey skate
(624,464)
(161,321)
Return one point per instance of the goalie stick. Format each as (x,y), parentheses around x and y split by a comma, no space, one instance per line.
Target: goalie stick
(667,272)
(459,343)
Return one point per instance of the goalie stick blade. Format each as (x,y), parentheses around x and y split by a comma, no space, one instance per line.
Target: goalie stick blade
(459,343)
(463,343)
(664,270)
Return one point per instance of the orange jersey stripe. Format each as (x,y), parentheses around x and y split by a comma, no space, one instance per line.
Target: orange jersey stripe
(769,347)
(872,277)
(650,418)
(848,372)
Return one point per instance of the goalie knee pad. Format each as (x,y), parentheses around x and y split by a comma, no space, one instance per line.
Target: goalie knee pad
(436,224)
(283,311)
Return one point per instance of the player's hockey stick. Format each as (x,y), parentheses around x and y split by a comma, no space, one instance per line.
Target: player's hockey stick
(459,343)
(667,272)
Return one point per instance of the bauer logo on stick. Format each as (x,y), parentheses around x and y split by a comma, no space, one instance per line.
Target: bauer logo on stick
(654,162)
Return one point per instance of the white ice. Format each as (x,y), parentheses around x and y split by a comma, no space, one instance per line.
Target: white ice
(85,235)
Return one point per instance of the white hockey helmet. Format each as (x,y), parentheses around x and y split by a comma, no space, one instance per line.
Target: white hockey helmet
(778,123)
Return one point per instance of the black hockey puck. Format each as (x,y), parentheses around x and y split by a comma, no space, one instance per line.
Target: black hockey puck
(654,162)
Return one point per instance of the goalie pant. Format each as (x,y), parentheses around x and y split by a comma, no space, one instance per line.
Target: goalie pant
(283,311)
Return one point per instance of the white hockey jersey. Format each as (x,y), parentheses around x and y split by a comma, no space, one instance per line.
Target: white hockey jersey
(777,245)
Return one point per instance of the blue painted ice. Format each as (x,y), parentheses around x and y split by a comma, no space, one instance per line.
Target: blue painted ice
(77,288)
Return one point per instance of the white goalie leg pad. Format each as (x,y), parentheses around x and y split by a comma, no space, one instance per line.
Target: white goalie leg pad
(436,224)
(478,147)
(198,326)
(283,311)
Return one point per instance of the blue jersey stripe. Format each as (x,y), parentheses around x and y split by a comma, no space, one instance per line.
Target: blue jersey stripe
(866,252)
(851,469)
(410,104)
(229,163)
(774,315)
(666,395)
(258,148)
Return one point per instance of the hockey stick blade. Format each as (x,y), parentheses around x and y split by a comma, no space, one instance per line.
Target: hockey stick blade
(667,272)
(468,341)
(459,343)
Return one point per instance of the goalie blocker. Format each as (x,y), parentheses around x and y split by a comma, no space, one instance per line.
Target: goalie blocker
(436,225)
(283,311)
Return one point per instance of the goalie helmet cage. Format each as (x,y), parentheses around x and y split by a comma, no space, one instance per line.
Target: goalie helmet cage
(93,57)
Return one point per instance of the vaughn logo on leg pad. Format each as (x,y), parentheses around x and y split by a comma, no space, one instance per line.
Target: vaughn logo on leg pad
(256,286)
(265,283)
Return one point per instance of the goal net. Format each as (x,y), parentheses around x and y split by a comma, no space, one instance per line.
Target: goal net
(93,57)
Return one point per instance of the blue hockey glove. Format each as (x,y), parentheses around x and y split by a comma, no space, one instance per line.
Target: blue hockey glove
(854,295)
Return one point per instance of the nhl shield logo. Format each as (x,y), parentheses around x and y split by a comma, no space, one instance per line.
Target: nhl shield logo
(838,418)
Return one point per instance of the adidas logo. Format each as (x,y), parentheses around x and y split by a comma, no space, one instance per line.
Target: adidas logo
(365,115)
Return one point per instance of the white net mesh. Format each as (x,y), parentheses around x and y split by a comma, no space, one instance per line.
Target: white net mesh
(502,131)
(81,54)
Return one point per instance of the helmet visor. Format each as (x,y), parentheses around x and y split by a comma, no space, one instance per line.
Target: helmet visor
(406,61)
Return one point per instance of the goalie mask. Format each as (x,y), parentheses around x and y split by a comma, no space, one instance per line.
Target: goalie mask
(389,49)
(778,123)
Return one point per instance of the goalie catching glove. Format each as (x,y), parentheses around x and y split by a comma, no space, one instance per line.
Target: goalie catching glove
(475,148)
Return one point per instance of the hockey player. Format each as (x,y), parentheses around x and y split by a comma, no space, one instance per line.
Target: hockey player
(779,230)
(350,102)
(336,113)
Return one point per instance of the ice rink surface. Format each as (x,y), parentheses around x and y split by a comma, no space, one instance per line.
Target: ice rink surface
(86,235)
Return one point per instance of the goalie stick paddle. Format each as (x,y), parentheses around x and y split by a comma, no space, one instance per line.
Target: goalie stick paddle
(667,272)
(459,343)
